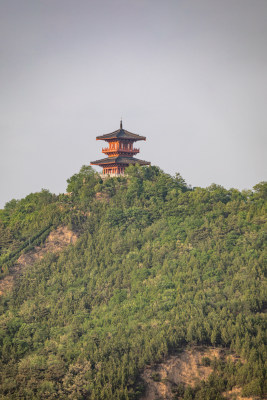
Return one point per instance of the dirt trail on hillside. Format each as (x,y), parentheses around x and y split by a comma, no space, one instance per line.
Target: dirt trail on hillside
(56,241)
(185,368)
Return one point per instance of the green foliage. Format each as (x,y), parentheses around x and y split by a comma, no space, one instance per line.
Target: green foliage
(157,266)
(206,361)
(261,190)
(82,185)
(84,177)
(25,224)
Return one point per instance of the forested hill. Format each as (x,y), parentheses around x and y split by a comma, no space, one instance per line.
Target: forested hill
(157,267)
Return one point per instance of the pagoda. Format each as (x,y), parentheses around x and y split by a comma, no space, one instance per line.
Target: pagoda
(120,152)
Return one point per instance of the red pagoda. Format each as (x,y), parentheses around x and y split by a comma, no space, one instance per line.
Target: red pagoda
(120,152)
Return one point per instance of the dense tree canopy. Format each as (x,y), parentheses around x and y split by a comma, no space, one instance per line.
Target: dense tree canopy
(157,266)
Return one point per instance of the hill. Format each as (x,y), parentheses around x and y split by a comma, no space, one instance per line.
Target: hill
(156,268)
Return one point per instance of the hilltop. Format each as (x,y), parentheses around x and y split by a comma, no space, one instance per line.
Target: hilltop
(118,285)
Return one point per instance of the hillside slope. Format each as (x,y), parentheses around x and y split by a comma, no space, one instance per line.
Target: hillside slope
(158,266)
(55,242)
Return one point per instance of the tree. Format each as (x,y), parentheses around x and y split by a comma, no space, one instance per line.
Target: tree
(85,176)
(76,383)
(261,190)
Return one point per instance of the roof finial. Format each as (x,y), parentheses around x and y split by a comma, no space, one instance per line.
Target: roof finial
(121,124)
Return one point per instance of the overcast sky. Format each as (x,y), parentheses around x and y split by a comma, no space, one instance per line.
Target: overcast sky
(190,75)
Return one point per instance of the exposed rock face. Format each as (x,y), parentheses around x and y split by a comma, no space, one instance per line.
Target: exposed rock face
(56,241)
(185,368)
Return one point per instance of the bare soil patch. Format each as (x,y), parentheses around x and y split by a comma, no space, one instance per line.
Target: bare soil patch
(56,241)
(235,394)
(185,368)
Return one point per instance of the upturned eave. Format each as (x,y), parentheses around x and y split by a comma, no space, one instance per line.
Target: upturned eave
(121,134)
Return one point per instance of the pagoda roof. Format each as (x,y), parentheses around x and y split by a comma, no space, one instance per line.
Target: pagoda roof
(121,134)
(120,160)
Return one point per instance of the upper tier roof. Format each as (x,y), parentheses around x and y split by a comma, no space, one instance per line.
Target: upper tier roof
(121,134)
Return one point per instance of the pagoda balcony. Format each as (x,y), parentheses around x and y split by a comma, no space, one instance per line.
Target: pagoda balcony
(118,150)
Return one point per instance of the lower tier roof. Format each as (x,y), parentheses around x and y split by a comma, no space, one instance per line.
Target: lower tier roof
(119,160)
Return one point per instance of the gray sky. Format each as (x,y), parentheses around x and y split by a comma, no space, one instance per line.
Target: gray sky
(190,75)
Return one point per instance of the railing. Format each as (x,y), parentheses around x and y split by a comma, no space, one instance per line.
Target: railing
(109,150)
